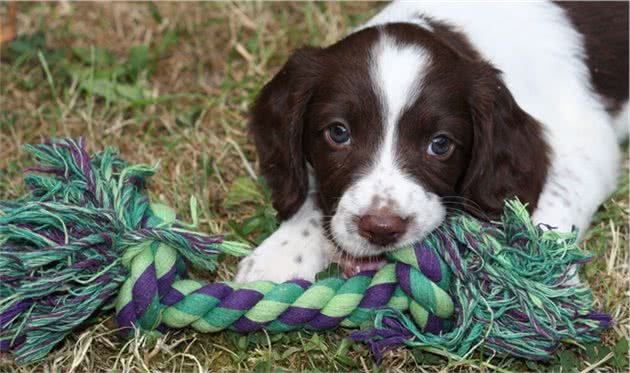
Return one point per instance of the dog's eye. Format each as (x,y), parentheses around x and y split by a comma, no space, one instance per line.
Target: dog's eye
(440,146)
(339,134)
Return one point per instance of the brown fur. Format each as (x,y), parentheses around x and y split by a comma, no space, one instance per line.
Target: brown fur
(604,26)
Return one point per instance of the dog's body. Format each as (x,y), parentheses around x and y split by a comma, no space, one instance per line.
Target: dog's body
(368,143)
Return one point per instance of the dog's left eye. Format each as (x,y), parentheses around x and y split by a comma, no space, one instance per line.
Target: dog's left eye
(339,134)
(440,146)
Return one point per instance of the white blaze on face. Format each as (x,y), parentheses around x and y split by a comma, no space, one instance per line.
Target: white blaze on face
(396,71)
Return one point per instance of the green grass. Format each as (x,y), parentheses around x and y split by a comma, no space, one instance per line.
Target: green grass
(173,82)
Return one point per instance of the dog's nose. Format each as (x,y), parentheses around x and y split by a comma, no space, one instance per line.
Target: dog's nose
(382,227)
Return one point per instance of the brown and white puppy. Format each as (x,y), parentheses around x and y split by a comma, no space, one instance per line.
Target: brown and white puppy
(369,143)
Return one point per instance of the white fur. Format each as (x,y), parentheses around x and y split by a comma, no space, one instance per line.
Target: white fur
(542,58)
(622,124)
(396,74)
(290,252)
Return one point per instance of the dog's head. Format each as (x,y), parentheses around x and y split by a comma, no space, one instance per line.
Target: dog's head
(397,125)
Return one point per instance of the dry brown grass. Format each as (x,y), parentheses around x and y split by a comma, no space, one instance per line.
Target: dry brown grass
(224,53)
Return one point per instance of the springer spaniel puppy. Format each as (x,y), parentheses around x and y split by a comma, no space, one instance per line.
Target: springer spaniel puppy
(369,143)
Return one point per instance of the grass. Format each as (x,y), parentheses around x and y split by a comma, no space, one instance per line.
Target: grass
(173,81)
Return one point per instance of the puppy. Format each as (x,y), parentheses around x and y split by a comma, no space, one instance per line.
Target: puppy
(428,108)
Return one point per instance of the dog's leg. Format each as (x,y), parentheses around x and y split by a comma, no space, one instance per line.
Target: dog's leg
(583,173)
(298,249)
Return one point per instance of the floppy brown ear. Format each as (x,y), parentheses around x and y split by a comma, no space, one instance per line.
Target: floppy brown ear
(277,125)
(509,155)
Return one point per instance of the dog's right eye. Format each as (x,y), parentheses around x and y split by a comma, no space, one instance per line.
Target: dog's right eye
(338,133)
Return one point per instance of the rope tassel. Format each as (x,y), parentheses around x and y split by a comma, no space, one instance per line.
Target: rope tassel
(87,239)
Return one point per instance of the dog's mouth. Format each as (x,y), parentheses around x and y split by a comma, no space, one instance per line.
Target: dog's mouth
(353,265)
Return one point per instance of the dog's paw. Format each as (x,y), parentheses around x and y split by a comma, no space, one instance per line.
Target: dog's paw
(280,260)
(297,250)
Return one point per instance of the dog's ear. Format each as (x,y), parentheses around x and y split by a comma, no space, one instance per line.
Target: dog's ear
(509,156)
(277,124)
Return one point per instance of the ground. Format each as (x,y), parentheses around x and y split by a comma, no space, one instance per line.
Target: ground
(172,82)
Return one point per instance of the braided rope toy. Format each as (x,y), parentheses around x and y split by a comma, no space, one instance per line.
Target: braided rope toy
(87,239)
